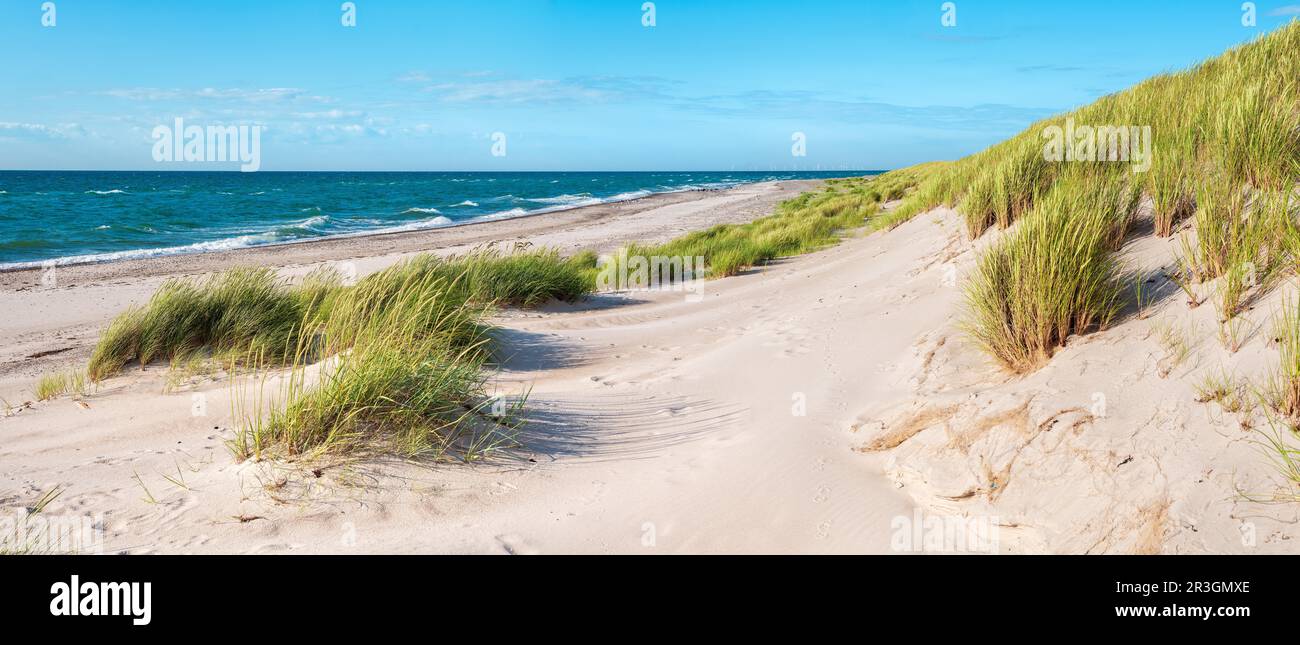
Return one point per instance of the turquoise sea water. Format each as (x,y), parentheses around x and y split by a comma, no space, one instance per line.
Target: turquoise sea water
(102,216)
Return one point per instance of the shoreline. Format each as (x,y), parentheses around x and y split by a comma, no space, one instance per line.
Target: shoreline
(97,258)
(368,244)
(61,320)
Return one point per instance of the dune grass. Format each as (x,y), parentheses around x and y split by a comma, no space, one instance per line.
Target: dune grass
(807,223)
(252,312)
(1224,388)
(1280,446)
(56,384)
(228,314)
(396,362)
(1282,392)
(407,375)
(1280,395)
(1224,136)
(1024,300)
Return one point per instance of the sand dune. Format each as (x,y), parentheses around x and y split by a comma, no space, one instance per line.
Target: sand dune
(803,407)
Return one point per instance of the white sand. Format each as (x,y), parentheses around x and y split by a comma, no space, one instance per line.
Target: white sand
(662,425)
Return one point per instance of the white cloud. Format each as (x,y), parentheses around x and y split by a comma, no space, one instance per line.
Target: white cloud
(414,77)
(40,131)
(519,91)
(254,95)
(328,115)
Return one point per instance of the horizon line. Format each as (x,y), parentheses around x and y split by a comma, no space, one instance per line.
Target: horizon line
(260,172)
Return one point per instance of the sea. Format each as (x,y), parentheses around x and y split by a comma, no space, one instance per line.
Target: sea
(100,216)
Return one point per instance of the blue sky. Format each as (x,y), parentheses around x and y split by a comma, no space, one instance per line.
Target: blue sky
(578,84)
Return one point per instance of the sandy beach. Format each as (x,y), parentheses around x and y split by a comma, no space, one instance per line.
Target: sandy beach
(63,318)
(640,437)
(801,407)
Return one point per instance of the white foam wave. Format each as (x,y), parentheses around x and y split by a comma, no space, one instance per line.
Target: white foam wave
(225,244)
(434,222)
(567,200)
(636,194)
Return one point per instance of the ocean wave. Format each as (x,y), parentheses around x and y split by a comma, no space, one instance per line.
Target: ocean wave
(372,218)
(635,194)
(433,222)
(224,244)
(567,200)
(312,222)
(514,212)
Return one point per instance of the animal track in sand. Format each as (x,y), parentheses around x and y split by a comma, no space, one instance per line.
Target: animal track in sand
(823,494)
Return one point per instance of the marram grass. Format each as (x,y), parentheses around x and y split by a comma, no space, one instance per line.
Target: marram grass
(1053,277)
(392,364)
(244,312)
(1225,146)
(410,381)
(807,223)
(56,384)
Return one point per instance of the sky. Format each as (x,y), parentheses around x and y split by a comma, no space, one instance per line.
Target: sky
(578,84)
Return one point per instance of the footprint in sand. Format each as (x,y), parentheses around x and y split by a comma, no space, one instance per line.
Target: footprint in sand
(823,494)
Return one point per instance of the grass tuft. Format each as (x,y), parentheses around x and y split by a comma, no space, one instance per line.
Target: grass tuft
(1052,277)
(53,385)
(395,363)
(250,312)
(1282,393)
